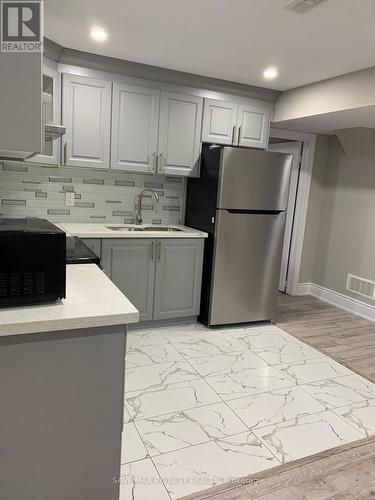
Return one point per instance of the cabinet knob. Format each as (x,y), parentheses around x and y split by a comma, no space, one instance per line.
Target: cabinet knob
(159,163)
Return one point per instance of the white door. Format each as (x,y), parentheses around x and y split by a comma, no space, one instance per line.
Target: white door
(135,116)
(219,121)
(294,148)
(51,113)
(253,126)
(179,134)
(87,118)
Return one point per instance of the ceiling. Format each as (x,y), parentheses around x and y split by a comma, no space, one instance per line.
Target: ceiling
(229,39)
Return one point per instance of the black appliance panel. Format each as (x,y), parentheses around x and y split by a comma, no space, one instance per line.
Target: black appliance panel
(79,253)
(32,262)
(202,192)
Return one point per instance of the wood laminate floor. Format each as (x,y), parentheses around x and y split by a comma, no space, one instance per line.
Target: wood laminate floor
(344,473)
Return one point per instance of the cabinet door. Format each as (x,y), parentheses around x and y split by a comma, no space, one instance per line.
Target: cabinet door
(178,278)
(130,264)
(179,134)
(87,118)
(219,121)
(135,116)
(51,114)
(254,124)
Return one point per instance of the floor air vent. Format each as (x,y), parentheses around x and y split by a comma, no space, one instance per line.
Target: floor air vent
(360,286)
(303,6)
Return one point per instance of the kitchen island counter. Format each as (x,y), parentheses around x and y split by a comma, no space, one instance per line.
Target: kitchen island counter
(62,369)
(92,300)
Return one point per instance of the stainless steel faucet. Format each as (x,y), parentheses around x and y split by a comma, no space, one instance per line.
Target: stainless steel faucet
(138,217)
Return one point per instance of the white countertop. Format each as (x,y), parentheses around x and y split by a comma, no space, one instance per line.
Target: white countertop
(93,230)
(91,300)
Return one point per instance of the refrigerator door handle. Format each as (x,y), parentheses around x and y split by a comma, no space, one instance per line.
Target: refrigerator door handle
(254,212)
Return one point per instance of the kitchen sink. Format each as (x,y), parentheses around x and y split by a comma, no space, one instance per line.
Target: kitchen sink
(161,228)
(145,228)
(122,228)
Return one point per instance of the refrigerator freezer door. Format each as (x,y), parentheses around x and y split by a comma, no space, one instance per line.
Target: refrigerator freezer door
(254,180)
(246,271)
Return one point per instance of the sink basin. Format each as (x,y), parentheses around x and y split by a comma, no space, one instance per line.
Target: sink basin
(145,228)
(122,228)
(161,228)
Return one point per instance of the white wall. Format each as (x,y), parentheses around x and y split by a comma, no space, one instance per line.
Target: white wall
(350,91)
(340,235)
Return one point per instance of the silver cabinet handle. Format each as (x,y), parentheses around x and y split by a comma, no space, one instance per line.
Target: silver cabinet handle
(239,135)
(152,250)
(160,158)
(233,131)
(159,250)
(65,153)
(154,162)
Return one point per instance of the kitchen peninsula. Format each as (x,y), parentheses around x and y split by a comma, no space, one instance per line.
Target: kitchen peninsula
(61,389)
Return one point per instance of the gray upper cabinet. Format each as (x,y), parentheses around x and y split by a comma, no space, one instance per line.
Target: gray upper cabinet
(86,114)
(161,277)
(141,128)
(51,114)
(20,104)
(179,134)
(130,264)
(178,278)
(219,121)
(135,115)
(235,124)
(253,126)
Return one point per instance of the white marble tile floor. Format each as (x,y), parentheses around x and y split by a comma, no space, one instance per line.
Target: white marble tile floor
(208,406)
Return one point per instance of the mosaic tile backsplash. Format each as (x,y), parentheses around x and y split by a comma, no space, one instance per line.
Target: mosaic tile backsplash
(31,190)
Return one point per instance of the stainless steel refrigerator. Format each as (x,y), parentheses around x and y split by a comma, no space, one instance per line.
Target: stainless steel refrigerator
(240,199)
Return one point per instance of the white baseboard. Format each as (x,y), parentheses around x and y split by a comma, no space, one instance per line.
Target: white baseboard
(337,299)
(303,289)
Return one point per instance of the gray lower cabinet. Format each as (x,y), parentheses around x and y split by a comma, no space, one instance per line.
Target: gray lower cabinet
(130,264)
(161,277)
(178,277)
(62,414)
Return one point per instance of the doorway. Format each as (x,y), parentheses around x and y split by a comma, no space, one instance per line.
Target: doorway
(294,148)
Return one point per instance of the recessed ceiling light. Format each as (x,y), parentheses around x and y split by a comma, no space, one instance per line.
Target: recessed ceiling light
(270,73)
(98,34)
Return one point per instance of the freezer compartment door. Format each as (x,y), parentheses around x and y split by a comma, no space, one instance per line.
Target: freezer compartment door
(246,270)
(254,180)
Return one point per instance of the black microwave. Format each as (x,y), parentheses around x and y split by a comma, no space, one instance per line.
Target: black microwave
(32,262)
